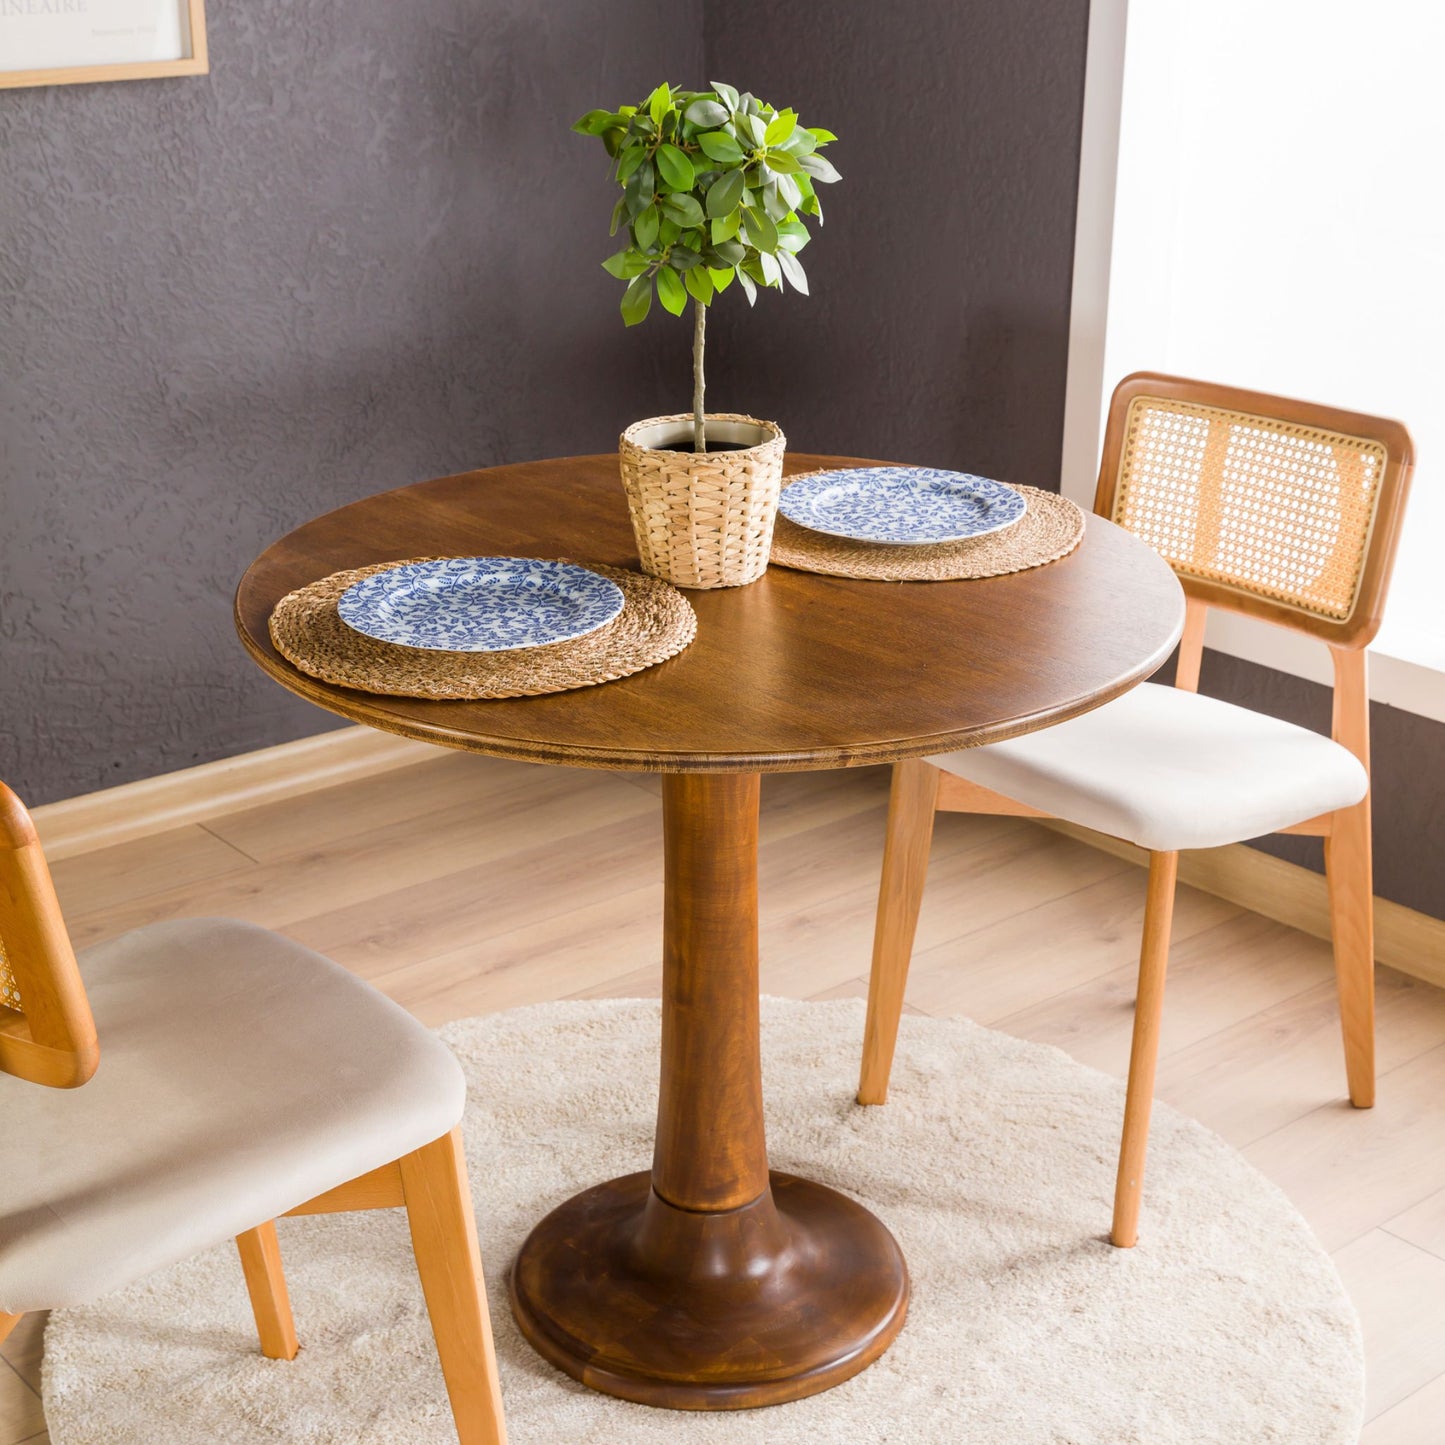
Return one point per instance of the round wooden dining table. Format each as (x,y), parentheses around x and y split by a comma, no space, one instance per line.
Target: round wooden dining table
(709,1282)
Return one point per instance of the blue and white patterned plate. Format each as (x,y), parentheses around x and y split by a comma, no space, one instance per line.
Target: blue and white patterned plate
(480,604)
(907,506)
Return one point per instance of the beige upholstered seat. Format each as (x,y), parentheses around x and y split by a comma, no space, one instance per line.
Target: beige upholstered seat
(1170,769)
(242,1075)
(191,1081)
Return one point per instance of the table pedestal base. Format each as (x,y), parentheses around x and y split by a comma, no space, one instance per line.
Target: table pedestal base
(778,1299)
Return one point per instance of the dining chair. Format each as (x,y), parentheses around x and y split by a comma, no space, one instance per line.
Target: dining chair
(1282,510)
(244,1077)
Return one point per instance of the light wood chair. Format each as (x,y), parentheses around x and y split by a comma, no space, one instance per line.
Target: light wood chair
(244,1077)
(1278,509)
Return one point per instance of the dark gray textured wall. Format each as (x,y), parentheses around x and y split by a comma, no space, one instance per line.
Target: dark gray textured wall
(937,330)
(347,259)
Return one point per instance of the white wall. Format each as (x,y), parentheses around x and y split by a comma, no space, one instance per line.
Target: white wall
(1279,224)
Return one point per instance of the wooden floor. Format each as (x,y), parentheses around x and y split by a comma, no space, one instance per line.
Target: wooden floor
(466,884)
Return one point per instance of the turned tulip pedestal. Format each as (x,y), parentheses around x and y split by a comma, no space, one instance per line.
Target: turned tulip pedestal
(709,1282)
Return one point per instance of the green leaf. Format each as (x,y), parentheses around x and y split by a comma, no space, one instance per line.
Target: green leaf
(721,278)
(726,227)
(699,284)
(793,270)
(619,214)
(810,207)
(773,201)
(781,162)
(595,122)
(820,168)
(639,189)
(671,292)
(780,128)
(637,300)
(751,127)
(772,271)
(683,209)
(800,143)
(706,114)
(792,235)
(667,231)
(625,264)
(659,103)
(644,228)
(821,135)
(791,193)
(749,289)
(683,258)
(675,168)
(725,193)
(759,231)
(726,94)
(632,157)
(718,145)
(730,252)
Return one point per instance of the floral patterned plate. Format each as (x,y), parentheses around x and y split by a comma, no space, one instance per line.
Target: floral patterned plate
(906,506)
(480,604)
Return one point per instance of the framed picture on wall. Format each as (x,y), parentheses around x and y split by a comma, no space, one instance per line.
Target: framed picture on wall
(67,42)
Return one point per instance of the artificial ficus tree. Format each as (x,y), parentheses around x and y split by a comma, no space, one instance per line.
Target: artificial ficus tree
(714,188)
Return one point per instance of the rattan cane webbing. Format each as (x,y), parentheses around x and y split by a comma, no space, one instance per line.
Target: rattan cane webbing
(656,622)
(1051,528)
(1268,507)
(9,984)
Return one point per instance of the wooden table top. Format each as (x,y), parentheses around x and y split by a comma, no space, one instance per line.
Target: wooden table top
(794,671)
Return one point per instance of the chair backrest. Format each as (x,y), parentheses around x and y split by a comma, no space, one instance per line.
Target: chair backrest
(1281,509)
(47,1034)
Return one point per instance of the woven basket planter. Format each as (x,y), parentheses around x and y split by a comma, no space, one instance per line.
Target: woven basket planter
(703,521)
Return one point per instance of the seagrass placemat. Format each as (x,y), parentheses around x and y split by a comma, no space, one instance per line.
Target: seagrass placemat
(1051,528)
(656,622)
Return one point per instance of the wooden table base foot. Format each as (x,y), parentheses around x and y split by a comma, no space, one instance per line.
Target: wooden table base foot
(692,1310)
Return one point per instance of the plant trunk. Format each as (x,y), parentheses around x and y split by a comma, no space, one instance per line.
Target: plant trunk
(699,424)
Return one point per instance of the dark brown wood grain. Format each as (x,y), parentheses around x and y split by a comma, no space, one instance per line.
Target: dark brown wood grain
(793,671)
(709,1284)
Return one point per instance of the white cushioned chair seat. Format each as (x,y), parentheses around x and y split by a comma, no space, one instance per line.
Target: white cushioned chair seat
(1168,769)
(240,1075)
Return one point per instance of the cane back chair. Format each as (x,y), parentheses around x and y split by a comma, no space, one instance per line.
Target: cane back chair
(245,1077)
(1284,511)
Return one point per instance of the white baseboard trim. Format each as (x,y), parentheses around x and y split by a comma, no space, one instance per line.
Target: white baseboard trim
(191,795)
(1405,939)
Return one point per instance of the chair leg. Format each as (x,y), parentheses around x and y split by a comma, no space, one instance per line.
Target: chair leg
(260,1253)
(1352,924)
(8,1323)
(911,806)
(1144,1055)
(444,1238)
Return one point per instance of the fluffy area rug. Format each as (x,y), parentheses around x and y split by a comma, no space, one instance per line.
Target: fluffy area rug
(993,1163)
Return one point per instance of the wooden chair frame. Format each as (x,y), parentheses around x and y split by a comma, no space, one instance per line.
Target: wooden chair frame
(53,1043)
(920,789)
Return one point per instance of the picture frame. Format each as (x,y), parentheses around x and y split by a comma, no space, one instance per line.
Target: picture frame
(75,42)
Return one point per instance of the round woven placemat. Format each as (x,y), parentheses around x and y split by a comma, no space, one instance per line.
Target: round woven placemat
(656,622)
(1051,528)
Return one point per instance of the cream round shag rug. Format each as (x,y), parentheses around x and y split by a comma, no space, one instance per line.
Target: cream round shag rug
(993,1163)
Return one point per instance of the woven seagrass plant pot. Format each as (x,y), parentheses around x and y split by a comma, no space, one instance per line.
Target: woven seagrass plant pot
(703,520)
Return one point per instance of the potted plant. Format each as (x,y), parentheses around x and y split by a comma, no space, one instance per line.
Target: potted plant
(715,185)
